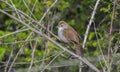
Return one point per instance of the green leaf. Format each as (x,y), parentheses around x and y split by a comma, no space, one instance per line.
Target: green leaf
(91,35)
(2,52)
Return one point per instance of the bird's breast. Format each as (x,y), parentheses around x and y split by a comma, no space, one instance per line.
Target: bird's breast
(62,36)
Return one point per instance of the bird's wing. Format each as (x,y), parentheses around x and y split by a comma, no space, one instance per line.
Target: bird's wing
(71,35)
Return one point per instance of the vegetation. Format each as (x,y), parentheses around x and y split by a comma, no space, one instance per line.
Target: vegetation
(24,49)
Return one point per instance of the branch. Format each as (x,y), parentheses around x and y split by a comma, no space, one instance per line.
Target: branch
(109,37)
(90,22)
(47,11)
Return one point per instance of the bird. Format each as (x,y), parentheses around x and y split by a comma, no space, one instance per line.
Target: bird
(67,34)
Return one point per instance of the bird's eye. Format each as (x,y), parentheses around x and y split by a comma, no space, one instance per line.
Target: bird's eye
(61,25)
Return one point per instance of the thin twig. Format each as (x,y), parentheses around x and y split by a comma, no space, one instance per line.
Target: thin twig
(110,35)
(8,62)
(34,5)
(52,60)
(90,22)
(99,45)
(16,42)
(35,62)
(15,9)
(28,8)
(47,12)
(13,33)
(20,50)
(32,57)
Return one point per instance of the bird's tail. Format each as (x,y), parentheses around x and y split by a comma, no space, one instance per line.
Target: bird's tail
(79,50)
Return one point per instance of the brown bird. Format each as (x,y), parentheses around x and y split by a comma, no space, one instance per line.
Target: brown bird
(67,34)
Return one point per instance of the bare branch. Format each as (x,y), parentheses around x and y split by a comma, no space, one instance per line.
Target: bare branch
(32,56)
(90,22)
(47,11)
(109,36)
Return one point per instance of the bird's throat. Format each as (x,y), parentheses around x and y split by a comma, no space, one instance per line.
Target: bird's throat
(61,35)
